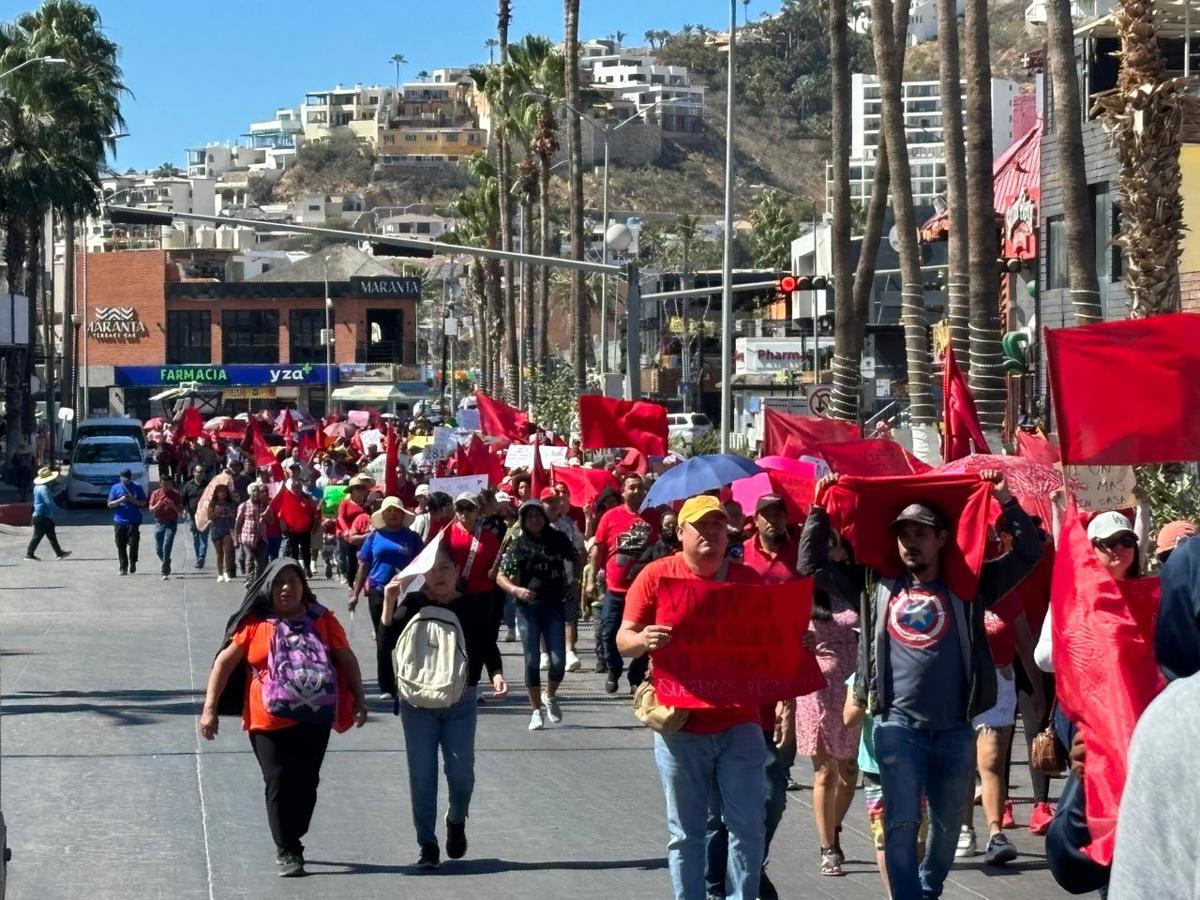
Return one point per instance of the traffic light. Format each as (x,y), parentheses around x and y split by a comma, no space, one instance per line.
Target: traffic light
(789,283)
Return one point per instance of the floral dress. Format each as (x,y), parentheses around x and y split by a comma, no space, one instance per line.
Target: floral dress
(819,715)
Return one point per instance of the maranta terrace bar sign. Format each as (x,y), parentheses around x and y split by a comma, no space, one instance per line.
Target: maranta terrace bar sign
(117,324)
(385,286)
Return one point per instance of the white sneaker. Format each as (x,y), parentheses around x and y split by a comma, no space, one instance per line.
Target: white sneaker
(553,710)
(545,663)
(220,579)
(573,662)
(967,845)
(538,720)
(510,635)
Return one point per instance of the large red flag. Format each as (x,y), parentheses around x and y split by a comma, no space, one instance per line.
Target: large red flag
(294,511)
(391,481)
(501,420)
(809,431)
(484,463)
(871,456)
(1105,671)
(1126,392)
(308,444)
(605,423)
(862,510)
(538,479)
(1036,446)
(190,425)
(254,442)
(961,421)
(584,485)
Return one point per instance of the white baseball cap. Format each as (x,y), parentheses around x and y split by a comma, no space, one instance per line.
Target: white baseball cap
(1108,524)
(422,490)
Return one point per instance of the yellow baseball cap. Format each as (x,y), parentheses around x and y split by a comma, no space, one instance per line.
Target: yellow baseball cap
(696,508)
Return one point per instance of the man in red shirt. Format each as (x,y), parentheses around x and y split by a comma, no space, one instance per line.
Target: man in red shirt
(472,546)
(353,505)
(621,537)
(718,749)
(165,503)
(771,552)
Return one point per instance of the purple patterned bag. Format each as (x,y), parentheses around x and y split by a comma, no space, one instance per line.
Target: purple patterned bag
(300,682)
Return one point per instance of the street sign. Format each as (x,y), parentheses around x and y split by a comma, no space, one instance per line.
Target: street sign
(819,400)
(867,367)
(883,387)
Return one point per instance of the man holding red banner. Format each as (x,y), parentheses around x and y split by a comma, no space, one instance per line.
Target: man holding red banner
(717,748)
(925,671)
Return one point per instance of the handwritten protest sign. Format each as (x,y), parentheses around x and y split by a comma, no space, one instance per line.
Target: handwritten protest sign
(1100,488)
(372,438)
(459,483)
(520,456)
(468,419)
(733,645)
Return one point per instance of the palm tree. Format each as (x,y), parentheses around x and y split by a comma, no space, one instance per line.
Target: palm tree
(958,306)
(581,324)
(845,366)
(164,170)
(987,356)
(651,37)
(1082,281)
(399,60)
(504,154)
(912,314)
(1143,117)
(491,44)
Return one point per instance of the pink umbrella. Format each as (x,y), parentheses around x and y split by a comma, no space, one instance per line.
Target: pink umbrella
(344,430)
(785,464)
(746,491)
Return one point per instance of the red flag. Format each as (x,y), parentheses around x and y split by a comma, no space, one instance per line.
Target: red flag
(501,420)
(862,510)
(809,431)
(538,479)
(190,425)
(797,492)
(483,462)
(634,461)
(1125,392)
(255,443)
(584,485)
(391,480)
(1104,670)
(460,461)
(308,444)
(1036,446)
(294,511)
(605,423)
(961,420)
(871,456)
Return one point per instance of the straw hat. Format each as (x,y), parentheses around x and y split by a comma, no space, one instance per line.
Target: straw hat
(45,475)
(377,520)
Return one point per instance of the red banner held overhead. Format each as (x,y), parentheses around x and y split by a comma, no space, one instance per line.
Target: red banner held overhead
(501,420)
(190,425)
(871,456)
(1125,393)
(806,432)
(963,434)
(605,423)
(731,646)
(584,485)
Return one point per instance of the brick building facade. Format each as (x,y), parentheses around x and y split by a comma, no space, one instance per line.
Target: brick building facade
(259,342)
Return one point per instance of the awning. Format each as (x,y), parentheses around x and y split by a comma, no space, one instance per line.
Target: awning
(377,393)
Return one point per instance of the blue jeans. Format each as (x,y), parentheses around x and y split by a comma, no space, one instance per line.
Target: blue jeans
(164,541)
(733,763)
(543,620)
(913,762)
(200,543)
(273,545)
(779,765)
(452,729)
(610,622)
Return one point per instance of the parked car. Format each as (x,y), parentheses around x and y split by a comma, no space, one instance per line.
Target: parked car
(109,426)
(684,428)
(97,463)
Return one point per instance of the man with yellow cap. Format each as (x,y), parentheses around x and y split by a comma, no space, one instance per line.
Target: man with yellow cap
(44,510)
(721,746)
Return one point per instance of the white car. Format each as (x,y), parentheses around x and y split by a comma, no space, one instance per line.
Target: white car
(97,463)
(684,428)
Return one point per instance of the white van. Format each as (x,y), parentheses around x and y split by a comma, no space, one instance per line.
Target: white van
(684,428)
(114,426)
(97,463)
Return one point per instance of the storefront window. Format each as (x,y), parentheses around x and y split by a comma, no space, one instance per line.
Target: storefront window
(250,336)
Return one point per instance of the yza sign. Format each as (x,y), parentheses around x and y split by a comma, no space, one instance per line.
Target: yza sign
(117,325)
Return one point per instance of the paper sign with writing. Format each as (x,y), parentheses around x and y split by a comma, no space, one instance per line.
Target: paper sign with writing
(459,483)
(1101,488)
(372,438)
(520,456)
(733,644)
(469,419)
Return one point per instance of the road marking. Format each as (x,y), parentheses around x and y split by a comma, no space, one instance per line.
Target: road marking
(187,632)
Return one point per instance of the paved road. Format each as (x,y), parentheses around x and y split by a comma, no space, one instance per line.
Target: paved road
(108,793)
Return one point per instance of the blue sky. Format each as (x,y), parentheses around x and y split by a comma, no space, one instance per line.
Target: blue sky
(202,71)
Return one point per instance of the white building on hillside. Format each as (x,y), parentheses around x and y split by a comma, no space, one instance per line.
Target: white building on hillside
(360,111)
(633,80)
(922,20)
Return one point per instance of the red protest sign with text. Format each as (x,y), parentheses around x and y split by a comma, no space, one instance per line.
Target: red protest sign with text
(732,644)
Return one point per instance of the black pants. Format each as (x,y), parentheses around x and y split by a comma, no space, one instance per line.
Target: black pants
(298,545)
(290,759)
(347,561)
(127,537)
(43,527)
(384,676)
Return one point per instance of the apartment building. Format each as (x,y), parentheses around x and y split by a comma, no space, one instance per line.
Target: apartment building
(448,143)
(358,110)
(923,124)
(922,20)
(629,82)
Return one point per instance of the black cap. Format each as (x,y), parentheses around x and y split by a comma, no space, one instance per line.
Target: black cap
(126,473)
(921,515)
(767,500)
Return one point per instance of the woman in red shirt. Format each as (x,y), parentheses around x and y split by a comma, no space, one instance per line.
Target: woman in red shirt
(287,668)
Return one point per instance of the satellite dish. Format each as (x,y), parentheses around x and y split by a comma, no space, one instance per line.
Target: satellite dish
(894,238)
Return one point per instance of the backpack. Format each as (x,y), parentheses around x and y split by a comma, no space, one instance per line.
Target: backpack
(430,659)
(299,682)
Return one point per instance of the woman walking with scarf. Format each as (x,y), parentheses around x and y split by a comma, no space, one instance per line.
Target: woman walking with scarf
(288,670)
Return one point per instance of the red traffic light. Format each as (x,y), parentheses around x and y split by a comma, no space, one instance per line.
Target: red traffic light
(787,284)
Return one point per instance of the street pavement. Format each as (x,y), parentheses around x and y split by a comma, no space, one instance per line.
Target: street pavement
(109,793)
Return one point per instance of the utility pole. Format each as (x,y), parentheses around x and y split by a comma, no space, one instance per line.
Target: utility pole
(727,257)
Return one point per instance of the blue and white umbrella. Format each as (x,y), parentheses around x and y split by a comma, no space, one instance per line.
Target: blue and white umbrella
(698,475)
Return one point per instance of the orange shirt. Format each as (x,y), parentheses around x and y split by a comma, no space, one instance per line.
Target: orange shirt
(254,637)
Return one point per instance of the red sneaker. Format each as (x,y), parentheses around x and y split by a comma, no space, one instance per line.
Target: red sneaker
(1007,821)
(1040,818)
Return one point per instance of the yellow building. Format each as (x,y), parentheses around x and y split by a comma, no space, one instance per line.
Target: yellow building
(449,143)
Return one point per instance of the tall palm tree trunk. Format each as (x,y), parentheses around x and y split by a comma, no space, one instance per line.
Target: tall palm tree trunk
(986,354)
(67,376)
(504,152)
(479,291)
(846,378)
(496,322)
(543,302)
(1082,281)
(529,376)
(957,281)
(580,314)
(912,313)
(1144,118)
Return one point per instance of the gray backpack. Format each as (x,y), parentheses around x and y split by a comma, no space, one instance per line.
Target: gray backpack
(430,659)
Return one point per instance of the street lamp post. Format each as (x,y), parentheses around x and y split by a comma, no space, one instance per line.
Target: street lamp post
(727,256)
(50,60)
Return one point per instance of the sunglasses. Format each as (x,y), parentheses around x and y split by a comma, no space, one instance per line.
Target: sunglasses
(1121,540)
(464,508)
